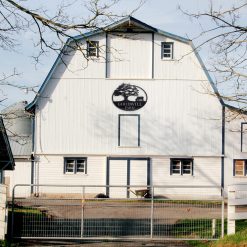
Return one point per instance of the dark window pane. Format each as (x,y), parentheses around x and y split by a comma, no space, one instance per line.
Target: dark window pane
(167,45)
(70,164)
(81,166)
(176,166)
(167,55)
(92,47)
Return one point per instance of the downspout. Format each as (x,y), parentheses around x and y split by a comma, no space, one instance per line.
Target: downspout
(1,172)
(32,153)
(223,150)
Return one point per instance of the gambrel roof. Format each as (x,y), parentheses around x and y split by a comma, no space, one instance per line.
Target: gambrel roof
(125,22)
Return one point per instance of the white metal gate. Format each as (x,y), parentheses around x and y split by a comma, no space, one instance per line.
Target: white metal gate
(75,213)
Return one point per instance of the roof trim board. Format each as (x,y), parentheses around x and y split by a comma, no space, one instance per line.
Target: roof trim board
(9,163)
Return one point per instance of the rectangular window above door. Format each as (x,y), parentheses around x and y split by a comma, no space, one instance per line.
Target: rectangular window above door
(129,130)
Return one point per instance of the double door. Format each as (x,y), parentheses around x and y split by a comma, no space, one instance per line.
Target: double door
(127,172)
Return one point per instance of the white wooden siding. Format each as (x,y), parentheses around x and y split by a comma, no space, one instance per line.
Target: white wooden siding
(207,172)
(130,56)
(233,146)
(79,117)
(75,65)
(21,175)
(50,170)
(183,66)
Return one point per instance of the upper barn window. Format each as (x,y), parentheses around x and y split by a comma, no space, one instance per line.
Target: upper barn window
(167,50)
(93,48)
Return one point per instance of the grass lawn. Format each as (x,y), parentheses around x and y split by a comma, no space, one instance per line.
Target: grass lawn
(236,240)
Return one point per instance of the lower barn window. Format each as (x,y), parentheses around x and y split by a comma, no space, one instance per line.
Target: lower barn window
(239,167)
(75,165)
(181,166)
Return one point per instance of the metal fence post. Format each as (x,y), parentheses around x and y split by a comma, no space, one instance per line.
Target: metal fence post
(12,212)
(82,211)
(152,213)
(231,211)
(222,214)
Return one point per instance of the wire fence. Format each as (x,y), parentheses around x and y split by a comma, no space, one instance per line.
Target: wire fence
(78,212)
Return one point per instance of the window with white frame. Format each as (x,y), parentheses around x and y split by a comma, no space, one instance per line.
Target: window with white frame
(167,50)
(239,167)
(75,165)
(93,48)
(129,130)
(181,167)
(243,137)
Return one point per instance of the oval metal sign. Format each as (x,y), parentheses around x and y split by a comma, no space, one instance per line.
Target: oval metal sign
(129,97)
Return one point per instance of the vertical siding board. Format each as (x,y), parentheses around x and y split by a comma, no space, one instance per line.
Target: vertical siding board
(80,117)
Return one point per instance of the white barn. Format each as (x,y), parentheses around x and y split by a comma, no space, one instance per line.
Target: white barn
(134,112)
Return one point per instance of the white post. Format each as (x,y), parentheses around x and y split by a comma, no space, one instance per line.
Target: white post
(213,227)
(3,218)
(231,210)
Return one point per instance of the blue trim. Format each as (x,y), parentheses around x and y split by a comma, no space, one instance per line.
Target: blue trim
(3,134)
(32,155)
(107,175)
(106,55)
(148,172)
(233,168)
(162,50)
(75,168)
(207,74)
(48,77)
(119,130)
(128,178)
(236,109)
(223,149)
(181,159)
(152,55)
(98,31)
(128,159)
(173,36)
(119,127)
(245,166)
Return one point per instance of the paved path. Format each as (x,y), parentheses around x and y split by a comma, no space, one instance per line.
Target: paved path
(104,243)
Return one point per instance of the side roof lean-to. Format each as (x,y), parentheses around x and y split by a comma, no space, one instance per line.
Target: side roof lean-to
(6,156)
(113,27)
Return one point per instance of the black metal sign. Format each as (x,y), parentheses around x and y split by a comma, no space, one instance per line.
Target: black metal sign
(129,97)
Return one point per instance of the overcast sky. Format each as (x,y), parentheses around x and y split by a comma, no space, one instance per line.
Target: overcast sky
(162,14)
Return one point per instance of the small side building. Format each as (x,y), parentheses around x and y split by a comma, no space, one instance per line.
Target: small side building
(6,157)
(18,129)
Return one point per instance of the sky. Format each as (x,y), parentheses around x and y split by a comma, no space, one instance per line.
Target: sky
(162,14)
